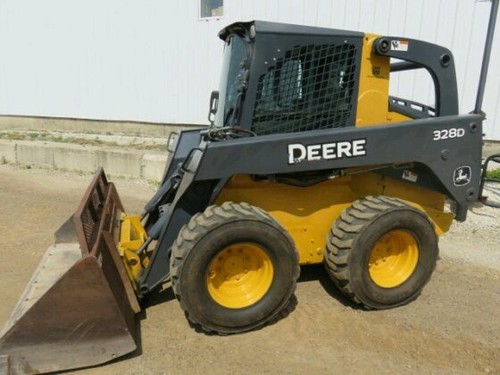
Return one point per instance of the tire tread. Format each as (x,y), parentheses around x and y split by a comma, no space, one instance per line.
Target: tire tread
(345,232)
(202,223)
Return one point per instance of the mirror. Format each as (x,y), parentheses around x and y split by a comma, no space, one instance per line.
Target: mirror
(214,103)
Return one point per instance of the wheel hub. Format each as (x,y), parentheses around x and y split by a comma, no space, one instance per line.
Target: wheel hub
(239,276)
(393,259)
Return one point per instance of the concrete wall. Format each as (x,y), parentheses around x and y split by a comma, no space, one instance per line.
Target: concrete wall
(71,157)
(91,126)
(156,61)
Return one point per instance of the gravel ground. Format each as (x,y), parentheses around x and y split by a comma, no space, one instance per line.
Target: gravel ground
(476,241)
(452,328)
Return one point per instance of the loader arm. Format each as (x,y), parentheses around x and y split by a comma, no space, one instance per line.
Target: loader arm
(189,197)
(443,144)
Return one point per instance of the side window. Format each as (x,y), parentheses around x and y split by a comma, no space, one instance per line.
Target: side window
(412,92)
(211,8)
(290,84)
(280,88)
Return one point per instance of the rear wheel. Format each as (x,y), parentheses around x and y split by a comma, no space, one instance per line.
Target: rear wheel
(233,268)
(381,252)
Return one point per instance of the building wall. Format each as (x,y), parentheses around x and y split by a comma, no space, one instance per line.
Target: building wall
(157,61)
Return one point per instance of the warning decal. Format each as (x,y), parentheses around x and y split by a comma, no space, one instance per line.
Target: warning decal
(399,45)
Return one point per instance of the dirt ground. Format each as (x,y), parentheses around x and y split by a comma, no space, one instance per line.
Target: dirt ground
(452,328)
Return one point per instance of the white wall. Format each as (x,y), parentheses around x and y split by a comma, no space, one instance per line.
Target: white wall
(156,61)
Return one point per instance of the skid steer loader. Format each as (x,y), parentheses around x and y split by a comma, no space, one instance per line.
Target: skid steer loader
(307,160)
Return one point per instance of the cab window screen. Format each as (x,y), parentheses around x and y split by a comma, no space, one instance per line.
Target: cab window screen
(310,88)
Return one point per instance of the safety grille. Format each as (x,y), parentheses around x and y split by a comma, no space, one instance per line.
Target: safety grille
(310,88)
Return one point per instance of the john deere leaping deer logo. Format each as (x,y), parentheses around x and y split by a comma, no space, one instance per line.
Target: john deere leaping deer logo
(462,176)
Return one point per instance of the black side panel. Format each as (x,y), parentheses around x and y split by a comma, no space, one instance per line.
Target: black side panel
(450,147)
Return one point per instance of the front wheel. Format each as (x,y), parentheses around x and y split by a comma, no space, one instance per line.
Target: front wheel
(381,252)
(233,268)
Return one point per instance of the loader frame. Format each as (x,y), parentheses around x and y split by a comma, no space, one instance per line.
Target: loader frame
(387,149)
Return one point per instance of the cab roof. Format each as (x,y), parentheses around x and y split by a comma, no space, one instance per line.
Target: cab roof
(266,27)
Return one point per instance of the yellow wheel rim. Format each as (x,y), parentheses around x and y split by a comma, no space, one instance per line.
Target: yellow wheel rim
(239,276)
(393,259)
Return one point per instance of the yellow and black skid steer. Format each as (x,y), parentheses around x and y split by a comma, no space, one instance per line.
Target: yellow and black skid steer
(307,160)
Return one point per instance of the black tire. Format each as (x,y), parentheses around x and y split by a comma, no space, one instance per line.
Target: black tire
(353,256)
(208,238)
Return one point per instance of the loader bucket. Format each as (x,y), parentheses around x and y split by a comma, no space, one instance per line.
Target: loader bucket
(79,308)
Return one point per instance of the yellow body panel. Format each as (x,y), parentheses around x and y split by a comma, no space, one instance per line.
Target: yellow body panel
(372,107)
(428,201)
(307,213)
